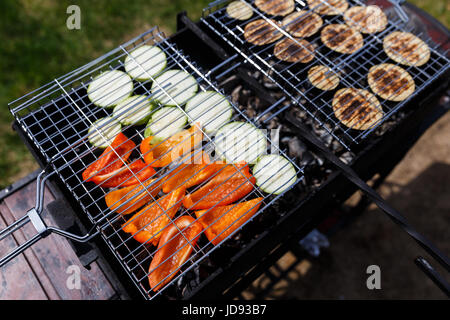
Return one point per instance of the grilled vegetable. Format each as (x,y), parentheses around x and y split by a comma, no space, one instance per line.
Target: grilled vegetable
(406,48)
(174,87)
(174,248)
(112,158)
(366,19)
(276,7)
(160,154)
(274,174)
(240,141)
(103,131)
(211,109)
(294,50)
(391,82)
(109,88)
(134,110)
(146,226)
(302,24)
(261,32)
(197,170)
(220,222)
(239,10)
(328,7)
(165,122)
(230,184)
(125,176)
(323,77)
(145,62)
(357,108)
(342,38)
(129,199)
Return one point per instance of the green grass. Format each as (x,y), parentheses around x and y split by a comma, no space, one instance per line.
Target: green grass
(36,47)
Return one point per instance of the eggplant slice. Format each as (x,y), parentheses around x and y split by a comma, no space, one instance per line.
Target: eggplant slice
(302,24)
(391,82)
(342,38)
(366,19)
(294,50)
(276,7)
(261,32)
(357,108)
(328,7)
(323,78)
(406,48)
(239,10)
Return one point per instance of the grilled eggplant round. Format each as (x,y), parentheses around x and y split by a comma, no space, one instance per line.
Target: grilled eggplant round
(239,10)
(366,19)
(294,50)
(302,23)
(261,32)
(406,48)
(342,38)
(357,108)
(323,78)
(391,82)
(330,7)
(276,7)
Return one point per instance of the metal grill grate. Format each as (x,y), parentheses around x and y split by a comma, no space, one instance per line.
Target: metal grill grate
(292,78)
(57,117)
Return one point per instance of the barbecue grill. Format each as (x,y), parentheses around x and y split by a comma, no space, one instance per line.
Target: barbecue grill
(54,120)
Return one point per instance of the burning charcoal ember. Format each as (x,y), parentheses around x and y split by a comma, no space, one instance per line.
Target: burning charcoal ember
(229,83)
(235,95)
(347,157)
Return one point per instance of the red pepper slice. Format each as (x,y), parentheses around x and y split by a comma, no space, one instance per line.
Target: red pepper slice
(110,159)
(160,154)
(191,174)
(220,222)
(122,201)
(173,251)
(229,185)
(125,176)
(147,224)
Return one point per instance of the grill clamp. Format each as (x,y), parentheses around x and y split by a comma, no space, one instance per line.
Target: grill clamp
(34,216)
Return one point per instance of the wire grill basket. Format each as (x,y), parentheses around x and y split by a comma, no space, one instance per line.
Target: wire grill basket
(352,69)
(57,118)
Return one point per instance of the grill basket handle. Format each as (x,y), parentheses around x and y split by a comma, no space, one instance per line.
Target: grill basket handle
(351,175)
(42,230)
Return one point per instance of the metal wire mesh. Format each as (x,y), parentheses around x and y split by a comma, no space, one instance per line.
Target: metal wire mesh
(57,118)
(352,69)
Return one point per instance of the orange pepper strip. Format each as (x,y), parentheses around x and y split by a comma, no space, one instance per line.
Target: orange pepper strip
(160,154)
(229,185)
(125,176)
(190,174)
(146,224)
(220,222)
(120,200)
(173,251)
(109,160)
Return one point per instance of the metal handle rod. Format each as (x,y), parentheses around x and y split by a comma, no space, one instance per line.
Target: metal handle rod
(18,250)
(438,280)
(16,225)
(34,216)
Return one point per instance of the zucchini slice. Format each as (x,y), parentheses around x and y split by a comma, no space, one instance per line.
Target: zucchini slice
(103,131)
(109,88)
(274,174)
(240,141)
(134,110)
(145,62)
(211,109)
(165,122)
(179,85)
